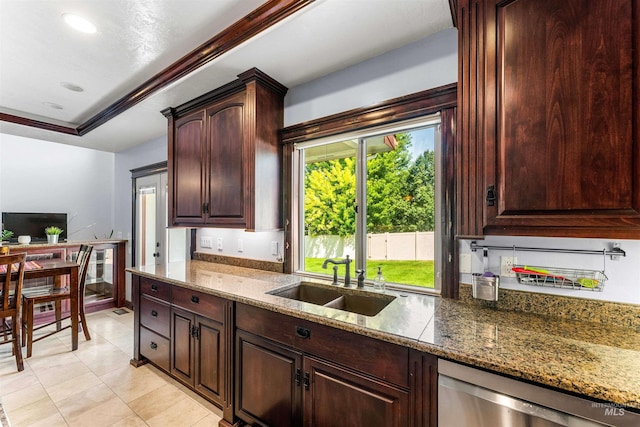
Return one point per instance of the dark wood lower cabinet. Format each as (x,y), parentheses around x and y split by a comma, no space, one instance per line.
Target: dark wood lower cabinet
(197,357)
(268,379)
(279,385)
(337,396)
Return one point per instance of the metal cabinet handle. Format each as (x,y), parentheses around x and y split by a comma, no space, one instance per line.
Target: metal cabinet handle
(154,288)
(306,381)
(195,299)
(303,333)
(153,345)
(491,195)
(298,377)
(154,313)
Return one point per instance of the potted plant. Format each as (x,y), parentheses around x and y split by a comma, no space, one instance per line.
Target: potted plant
(52,234)
(6,235)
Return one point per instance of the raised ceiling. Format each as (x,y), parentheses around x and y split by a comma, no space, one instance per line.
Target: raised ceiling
(124,67)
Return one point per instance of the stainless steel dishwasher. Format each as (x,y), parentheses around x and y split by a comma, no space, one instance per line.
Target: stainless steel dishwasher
(474,398)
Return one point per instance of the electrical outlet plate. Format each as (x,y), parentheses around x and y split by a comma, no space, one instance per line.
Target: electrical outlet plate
(506,265)
(219,243)
(465,263)
(240,245)
(206,242)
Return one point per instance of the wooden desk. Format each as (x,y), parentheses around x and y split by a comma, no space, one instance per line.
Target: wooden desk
(55,268)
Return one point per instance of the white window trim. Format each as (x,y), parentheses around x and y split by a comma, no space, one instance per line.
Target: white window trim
(298,196)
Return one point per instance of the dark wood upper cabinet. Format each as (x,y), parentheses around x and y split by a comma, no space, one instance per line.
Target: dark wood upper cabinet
(224,160)
(549,132)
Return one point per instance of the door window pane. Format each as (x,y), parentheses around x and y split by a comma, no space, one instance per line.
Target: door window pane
(147,225)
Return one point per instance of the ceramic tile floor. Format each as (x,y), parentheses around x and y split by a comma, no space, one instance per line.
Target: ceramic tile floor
(95,385)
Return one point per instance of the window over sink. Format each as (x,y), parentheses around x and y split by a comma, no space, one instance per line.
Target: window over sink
(372,195)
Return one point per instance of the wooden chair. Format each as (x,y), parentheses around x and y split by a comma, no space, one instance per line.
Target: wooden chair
(55,295)
(10,291)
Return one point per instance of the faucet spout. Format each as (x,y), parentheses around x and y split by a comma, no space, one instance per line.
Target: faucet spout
(347,274)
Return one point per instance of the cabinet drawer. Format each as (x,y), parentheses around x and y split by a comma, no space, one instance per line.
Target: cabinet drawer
(381,359)
(200,303)
(156,289)
(155,315)
(155,348)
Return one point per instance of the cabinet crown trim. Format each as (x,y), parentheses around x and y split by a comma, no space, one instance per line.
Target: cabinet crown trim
(238,85)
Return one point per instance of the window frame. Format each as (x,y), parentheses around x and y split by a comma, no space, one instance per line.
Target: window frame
(442,99)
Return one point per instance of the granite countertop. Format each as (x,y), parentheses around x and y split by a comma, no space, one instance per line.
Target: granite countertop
(595,360)
(38,245)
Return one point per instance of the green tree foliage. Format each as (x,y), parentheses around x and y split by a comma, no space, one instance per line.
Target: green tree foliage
(400,193)
(419,212)
(329,199)
(387,175)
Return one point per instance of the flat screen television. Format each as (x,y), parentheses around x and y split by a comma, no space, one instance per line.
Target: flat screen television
(33,224)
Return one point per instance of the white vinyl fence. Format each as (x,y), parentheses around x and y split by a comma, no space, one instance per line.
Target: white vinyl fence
(417,246)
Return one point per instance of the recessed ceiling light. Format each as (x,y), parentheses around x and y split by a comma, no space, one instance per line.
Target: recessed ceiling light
(79,23)
(53,105)
(71,86)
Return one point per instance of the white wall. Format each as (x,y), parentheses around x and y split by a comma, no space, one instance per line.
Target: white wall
(623,284)
(254,245)
(425,64)
(42,176)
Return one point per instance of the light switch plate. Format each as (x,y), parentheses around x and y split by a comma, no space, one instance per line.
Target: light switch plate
(274,248)
(219,243)
(206,242)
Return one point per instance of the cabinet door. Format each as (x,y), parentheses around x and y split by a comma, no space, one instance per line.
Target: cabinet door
(187,155)
(182,345)
(209,363)
(549,99)
(337,396)
(226,139)
(268,382)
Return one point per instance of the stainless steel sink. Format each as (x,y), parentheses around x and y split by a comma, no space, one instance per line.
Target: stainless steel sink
(353,301)
(367,305)
(314,294)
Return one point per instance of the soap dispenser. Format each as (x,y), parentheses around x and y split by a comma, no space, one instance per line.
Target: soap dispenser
(378,281)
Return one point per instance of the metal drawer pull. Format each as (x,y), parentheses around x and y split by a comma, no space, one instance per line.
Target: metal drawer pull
(303,333)
(153,345)
(306,380)
(154,313)
(195,299)
(298,377)
(154,288)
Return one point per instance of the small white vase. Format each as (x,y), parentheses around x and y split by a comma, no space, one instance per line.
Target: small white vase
(52,239)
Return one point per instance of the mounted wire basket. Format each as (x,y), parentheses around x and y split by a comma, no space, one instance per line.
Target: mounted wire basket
(560,277)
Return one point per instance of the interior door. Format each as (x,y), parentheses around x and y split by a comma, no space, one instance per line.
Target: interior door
(151,219)
(155,243)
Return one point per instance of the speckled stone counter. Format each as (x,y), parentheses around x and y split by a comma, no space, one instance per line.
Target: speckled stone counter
(595,360)
(45,245)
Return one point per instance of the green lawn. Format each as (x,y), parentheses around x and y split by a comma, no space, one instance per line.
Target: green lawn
(418,273)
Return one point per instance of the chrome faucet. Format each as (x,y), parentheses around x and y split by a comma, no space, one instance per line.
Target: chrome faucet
(347,274)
